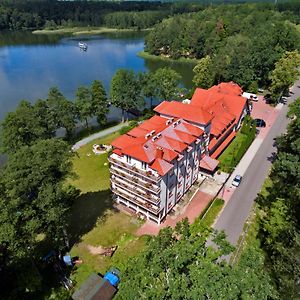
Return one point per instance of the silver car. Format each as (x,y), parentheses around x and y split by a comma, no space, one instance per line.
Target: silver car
(237,180)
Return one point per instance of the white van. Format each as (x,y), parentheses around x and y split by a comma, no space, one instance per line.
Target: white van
(250,96)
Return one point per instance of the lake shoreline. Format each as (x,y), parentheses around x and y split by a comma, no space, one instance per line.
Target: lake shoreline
(147,55)
(86,30)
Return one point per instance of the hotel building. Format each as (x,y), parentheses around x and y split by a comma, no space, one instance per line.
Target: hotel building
(156,163)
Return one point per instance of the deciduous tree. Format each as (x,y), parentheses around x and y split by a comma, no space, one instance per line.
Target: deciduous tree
(125,91)
(84,104)
(99,102)
(167,83)
(285,73)
(204,76)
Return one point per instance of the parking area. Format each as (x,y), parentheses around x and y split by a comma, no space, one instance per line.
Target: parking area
(261,110)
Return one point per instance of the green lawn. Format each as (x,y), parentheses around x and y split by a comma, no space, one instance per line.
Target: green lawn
(94,221)
(212,212)
(230,157)
(237,148)
(92,170)
(207,218)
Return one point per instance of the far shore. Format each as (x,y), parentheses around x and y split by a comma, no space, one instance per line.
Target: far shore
(84,30)
(147,55)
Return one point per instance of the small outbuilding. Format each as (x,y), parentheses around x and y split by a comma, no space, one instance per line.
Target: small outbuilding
(98,288)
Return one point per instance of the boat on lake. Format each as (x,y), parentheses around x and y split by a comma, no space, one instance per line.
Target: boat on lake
(82,46)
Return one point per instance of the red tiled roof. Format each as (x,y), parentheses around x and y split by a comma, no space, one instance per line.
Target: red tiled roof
(123,141)
(137,132)
(140,152)
(118,152)
(224,144)
(194,130)
(176,145)
(162,167)
(208,163)
(169,155)
(205,98)
(185,111)
(229,88)
(185,137)
(156,123)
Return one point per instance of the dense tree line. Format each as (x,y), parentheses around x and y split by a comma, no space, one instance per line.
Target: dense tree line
(36,14)
(241,42)
(139,20)
(39,121)
(280,217)
(177,264)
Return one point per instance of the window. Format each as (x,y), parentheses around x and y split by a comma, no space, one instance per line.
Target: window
(170,194)
(144,165)
(128,159)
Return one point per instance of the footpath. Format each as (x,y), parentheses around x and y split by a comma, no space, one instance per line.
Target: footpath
(97,135)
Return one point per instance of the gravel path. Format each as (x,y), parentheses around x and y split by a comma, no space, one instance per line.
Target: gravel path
(98,135)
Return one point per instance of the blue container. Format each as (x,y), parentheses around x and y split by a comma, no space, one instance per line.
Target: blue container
(112,278)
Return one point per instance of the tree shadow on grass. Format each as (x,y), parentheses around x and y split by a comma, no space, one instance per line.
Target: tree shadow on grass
(85,212)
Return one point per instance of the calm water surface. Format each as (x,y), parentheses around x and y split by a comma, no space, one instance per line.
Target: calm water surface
(31,64)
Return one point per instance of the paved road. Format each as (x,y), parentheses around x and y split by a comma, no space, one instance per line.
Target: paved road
(97,135)
(236,211)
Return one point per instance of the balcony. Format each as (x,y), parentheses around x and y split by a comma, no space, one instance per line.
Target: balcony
(137,180)
(134,190)
(144,173)
(147,206)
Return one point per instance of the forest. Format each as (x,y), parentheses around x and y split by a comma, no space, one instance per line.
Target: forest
(16,15)
(242,42)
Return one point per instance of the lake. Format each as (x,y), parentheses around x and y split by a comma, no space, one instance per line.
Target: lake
(31,64)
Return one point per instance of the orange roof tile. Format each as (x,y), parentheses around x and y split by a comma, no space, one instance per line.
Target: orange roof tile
(208,163)
(223,145)
(123,141)
(185,137)
(229,88)
(176,145)
(137,132)
(194,130)
(169,155)
(162,167)
(185,111)
(118,152)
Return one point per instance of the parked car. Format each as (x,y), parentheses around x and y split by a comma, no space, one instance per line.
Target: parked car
(260,123)
(250,96)
(283,100)
(237,180)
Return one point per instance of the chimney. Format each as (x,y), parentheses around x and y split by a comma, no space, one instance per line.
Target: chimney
(159,152)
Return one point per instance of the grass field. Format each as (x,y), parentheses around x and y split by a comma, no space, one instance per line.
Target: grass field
(94,221)
(92,170)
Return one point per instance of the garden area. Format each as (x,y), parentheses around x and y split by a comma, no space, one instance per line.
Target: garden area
(95,224)
(238,147)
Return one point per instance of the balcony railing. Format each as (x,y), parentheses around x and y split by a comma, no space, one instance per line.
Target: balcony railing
(146,174)
(147,197)
(135,200)
(140,182)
